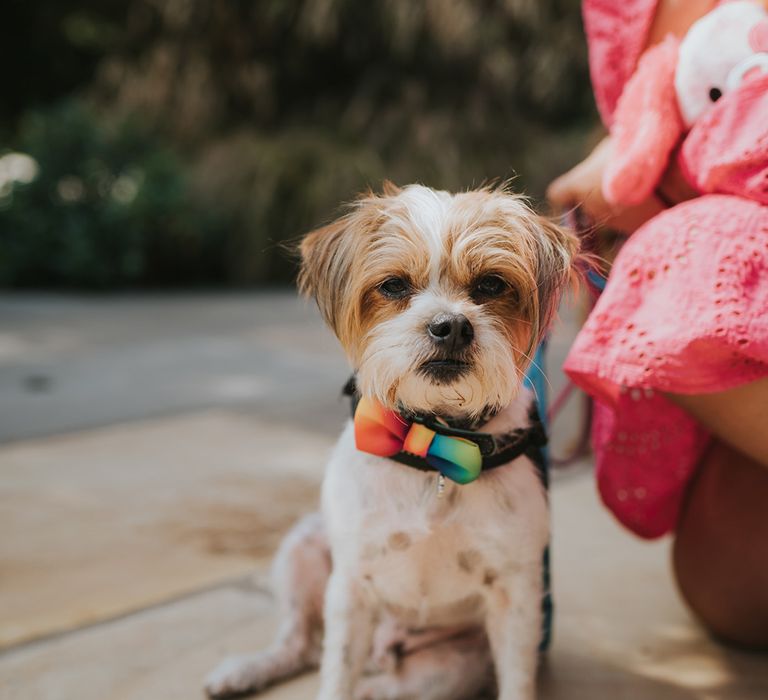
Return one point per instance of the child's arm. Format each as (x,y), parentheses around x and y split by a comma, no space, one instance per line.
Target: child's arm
(676,17)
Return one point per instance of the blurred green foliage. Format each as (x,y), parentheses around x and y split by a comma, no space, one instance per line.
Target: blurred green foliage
(250,122)
(109,206)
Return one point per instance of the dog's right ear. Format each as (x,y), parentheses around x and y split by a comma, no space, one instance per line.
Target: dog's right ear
(329,272)
(326,260)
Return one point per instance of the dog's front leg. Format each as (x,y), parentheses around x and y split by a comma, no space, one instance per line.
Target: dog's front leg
(349,624)
(514,630)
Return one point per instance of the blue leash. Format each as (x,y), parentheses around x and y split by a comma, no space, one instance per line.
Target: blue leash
(536,381)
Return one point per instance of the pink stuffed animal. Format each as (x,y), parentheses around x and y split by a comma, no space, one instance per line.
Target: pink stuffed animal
(715,77)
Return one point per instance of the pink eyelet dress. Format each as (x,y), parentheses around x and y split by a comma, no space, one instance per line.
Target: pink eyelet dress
(685,309)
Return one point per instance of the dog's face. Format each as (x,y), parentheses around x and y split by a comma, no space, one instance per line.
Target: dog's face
(438,299)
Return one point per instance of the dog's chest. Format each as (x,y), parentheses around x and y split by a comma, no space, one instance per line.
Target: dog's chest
(432,559)
(430,571)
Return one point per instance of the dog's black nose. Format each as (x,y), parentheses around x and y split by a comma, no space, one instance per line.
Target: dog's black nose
(451,331)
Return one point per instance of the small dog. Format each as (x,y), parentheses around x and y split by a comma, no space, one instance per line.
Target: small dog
(423,585)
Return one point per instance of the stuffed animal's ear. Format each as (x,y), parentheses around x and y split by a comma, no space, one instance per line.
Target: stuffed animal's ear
(646,127)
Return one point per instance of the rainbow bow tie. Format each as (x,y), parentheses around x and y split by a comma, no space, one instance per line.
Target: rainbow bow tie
(384,433)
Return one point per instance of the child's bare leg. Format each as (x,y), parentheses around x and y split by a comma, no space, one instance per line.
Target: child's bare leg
(737,416)
(453,669)
(301,569)
(720,555)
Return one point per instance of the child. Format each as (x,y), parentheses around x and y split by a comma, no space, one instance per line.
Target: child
(676,350)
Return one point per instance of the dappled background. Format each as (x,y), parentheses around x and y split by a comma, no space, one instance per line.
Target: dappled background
(148,143)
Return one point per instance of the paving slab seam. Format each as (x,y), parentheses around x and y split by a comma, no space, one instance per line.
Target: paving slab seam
(145,416)
(243,584)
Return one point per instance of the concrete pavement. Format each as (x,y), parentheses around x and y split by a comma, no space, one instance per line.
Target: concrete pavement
(155,449)
(75,362)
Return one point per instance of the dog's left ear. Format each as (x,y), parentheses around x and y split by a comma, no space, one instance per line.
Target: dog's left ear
(557,267)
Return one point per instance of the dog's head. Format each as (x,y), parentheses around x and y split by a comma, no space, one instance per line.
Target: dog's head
(438,299)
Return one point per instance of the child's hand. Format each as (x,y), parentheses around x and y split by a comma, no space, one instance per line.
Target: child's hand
(582,187)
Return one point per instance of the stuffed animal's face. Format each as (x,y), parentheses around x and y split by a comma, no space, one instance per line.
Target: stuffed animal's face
(723,48)
(675,86)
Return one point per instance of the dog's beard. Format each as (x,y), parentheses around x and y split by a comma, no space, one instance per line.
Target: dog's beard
(404,370)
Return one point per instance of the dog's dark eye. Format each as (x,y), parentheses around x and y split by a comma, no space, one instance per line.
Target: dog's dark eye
(394,288)
(489,287)
(715,94)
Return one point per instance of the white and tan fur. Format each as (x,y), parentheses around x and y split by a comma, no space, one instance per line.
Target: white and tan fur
(425,595)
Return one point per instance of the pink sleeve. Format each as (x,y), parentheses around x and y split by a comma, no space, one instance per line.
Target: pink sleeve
(617,31)
(726,151)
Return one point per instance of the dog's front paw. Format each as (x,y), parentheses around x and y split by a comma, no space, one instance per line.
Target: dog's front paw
(233,676)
